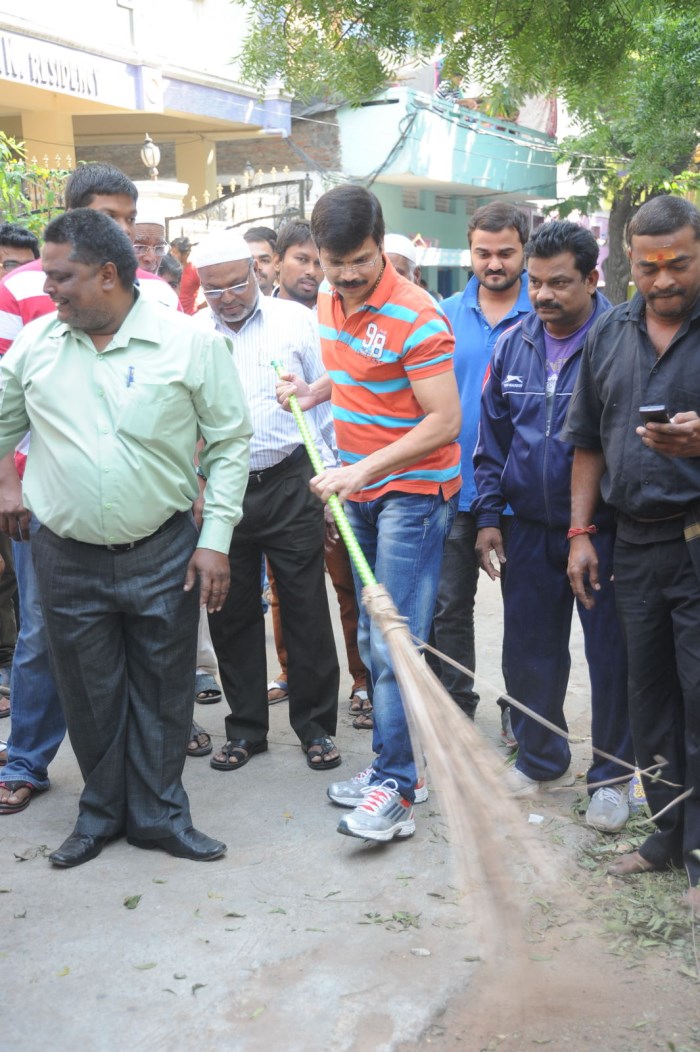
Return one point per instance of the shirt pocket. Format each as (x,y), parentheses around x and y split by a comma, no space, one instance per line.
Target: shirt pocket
(682,398)
(152,411)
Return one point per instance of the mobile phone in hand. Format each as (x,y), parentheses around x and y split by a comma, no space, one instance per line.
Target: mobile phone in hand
(656,414)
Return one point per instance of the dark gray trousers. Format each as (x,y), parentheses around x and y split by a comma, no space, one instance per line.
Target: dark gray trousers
(123,643)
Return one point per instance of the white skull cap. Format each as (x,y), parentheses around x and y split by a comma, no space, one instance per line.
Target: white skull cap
(148,212)
(220,248)
(398,245)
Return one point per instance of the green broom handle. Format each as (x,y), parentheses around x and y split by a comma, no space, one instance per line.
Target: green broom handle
(341,520)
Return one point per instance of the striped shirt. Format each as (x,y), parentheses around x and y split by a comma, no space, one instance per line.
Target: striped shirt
(277,330)
(372,356)
(22,299)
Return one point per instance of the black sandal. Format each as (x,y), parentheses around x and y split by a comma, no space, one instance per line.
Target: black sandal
(320,747)
(241,749)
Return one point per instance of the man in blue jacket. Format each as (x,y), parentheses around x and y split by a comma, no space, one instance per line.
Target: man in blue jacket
(495,298)
(520,460)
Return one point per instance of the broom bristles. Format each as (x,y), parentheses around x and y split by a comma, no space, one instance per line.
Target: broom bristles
(489,834)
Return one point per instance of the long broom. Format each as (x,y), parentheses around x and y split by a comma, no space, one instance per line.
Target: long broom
(488,832)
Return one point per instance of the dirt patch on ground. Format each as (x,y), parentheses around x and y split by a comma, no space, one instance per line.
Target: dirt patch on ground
(607,965)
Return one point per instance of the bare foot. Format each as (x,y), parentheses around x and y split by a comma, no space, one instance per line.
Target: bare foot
(632,863)
(691,899)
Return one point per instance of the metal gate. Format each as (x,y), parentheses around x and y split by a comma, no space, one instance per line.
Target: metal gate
(268,204)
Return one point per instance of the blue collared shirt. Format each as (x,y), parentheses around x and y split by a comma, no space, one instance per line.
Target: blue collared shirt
(474,344)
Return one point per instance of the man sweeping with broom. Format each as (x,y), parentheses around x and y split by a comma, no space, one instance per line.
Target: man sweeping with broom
(387,349)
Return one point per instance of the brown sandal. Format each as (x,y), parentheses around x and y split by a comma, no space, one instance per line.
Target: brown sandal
(361,709)
(200,740)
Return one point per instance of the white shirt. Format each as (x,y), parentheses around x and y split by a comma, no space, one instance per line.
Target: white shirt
(285,332)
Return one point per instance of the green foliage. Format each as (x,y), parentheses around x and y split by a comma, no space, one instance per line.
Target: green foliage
(352,48)
(644,136)
(629,70)
(30,194)
(640,139)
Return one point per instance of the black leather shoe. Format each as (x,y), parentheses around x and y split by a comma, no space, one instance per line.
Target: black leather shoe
(190,843)
(78,848)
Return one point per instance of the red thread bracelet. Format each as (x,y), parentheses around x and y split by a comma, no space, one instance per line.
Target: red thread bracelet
(579,531)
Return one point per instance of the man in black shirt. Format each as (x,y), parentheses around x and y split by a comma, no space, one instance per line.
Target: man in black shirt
(647,352)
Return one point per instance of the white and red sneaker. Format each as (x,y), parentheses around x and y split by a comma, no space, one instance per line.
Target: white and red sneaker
(382,815)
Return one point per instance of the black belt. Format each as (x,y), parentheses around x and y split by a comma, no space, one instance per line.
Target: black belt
(142,540)
(664,518)
(257,478)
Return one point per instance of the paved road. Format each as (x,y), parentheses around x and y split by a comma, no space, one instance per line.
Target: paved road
(299,939)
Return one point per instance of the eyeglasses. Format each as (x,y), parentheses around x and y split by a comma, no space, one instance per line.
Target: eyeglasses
(215,294)
(358,266)
(160,250)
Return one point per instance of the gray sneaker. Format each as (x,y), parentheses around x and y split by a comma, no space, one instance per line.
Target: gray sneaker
(382,815)
(507,736)
(609,809)
(519,784)
(353,792)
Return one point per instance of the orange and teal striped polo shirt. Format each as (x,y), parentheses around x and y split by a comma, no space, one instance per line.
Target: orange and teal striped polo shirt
(399,335)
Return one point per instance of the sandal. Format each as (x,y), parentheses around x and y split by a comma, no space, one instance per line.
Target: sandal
(361,709)
(201,741)
(206,690)
(358,700)
(240,750)
(13,787)
(280,689)
(364,722)
(320,748)
(3,753)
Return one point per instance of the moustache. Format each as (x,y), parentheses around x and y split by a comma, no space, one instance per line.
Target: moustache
(552,305)
(666,295)
(358,283)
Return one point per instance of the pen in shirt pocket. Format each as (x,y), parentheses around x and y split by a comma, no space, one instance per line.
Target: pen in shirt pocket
(130,376)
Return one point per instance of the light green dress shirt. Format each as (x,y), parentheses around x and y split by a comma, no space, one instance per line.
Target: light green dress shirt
(113,432)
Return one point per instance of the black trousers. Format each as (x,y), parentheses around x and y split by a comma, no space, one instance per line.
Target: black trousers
(122,638)
(453,624)
(284,521)
(658,597)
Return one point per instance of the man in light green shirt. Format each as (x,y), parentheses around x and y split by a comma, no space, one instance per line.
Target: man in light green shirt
(116,393)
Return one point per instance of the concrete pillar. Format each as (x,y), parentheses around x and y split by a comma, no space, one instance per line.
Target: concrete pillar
(48,134)
(161,199)
(195,163)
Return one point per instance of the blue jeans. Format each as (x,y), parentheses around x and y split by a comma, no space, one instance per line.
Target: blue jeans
(402,536)
(38,726)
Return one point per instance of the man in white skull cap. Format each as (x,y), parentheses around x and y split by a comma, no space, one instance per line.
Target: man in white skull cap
(402,253)
(281,519)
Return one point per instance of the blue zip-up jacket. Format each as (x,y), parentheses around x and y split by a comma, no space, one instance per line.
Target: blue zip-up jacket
(519,458)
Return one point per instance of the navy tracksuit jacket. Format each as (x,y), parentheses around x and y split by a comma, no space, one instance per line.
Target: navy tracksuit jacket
(520,460)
